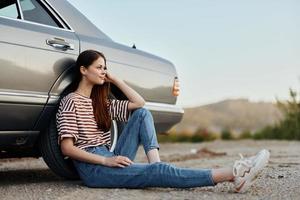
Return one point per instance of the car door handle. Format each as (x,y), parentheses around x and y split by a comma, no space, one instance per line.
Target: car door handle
(60,44)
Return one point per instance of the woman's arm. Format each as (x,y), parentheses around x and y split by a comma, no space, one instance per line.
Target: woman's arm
(135,100)
(68,149)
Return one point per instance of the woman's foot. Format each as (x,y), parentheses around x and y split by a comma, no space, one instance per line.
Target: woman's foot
(246,170)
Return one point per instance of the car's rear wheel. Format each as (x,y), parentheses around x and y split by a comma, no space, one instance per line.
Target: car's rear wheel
(51,153)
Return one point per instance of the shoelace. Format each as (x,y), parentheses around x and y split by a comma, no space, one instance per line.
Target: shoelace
(239,164)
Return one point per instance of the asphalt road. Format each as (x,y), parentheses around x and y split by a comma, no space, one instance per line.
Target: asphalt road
(30,178)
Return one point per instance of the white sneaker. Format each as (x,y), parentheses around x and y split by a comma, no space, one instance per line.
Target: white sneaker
(246,170)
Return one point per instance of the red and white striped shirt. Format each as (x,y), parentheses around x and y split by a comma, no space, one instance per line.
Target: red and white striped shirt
(75,118)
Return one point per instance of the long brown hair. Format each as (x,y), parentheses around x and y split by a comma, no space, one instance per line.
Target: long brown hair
(99,93)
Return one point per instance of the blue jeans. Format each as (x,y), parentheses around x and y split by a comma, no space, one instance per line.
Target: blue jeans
(139,130)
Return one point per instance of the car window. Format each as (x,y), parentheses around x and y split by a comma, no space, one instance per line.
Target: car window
(8,8)
(33,11)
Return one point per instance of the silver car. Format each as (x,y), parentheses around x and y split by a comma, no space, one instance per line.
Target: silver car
(39,43)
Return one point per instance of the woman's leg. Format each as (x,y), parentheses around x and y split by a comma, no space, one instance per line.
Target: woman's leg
(139,130)
(222,175)
(160,174)
(153,156)
(141,175)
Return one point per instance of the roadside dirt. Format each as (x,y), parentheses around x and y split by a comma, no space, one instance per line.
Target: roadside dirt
(30,178)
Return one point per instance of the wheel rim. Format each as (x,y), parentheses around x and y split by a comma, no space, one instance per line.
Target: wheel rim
(114,135)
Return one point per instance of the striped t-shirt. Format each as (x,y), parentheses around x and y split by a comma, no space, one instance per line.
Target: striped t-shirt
(75,118)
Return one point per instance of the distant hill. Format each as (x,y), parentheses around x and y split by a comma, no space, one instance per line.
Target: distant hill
(237,115)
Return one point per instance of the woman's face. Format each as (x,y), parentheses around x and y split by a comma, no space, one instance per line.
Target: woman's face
(96,72)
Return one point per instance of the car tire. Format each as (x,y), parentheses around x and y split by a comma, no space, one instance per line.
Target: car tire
(52,155)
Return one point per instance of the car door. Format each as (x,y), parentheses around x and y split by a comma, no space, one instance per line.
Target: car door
(36,46)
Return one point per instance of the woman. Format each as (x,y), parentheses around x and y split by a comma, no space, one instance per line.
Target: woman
(83,122)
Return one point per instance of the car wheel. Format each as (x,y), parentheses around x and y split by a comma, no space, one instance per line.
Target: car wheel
(52,155)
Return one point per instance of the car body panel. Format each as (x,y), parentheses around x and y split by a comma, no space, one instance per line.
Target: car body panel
(34,74)
(29,68)
(147,74)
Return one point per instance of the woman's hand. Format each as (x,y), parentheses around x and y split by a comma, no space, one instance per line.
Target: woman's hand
(117,161)
(110,78)
(135,100)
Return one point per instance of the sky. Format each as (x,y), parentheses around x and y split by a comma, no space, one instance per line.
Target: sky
(222,49)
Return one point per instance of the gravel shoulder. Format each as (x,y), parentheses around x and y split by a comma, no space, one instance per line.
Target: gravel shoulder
(30,178)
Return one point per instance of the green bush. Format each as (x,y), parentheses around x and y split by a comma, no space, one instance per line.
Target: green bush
(245,135)
(203,135)
(289,127)
(226,135)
